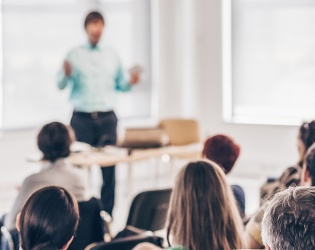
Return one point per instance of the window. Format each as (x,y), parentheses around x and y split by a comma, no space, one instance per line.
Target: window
(269,61)
(36,37)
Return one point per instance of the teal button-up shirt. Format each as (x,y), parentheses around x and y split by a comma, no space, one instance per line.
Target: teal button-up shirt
(96,76)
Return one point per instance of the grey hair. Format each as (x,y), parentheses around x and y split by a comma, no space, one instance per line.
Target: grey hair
(289,220)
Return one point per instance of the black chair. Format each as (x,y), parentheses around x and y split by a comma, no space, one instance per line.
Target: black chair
(149,209)
(91,226)
(128,243)
(1,225)
(9,239)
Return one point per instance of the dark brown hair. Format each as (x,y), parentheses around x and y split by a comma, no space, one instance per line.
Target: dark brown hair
(310,163)
(54,141)
(223,150)
(48,219)
(203,212)
(307,134)
(93,16)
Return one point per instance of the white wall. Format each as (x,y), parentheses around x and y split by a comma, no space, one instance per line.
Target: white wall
(189,85)
(15,148)
(265,149)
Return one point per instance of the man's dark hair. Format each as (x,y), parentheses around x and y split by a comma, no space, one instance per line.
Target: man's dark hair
(93,16)
(54,141)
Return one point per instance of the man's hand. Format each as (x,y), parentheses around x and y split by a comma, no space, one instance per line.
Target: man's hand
(135,74)
(134,78)
(67,68)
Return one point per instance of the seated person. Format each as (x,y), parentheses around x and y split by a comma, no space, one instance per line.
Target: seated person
(202,212)
(289,220)
(54,142)
(48,220)
(253,228)
(224,151)
(292,175)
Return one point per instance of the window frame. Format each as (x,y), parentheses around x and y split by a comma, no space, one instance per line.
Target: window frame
(227,81)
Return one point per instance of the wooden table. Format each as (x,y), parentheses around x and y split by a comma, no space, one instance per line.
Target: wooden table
(105,157)
(84,155)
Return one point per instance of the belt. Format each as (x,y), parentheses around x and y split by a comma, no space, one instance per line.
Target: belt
(94,115)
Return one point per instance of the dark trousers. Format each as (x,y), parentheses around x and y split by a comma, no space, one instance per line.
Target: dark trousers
(99,129)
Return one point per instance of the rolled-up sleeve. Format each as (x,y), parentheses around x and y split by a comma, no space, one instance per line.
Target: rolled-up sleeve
(121,84)
(63,80)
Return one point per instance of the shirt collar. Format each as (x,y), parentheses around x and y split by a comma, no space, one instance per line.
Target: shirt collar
(89,46)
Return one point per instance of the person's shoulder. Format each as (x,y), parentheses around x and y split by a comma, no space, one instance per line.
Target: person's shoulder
(40,177)
(237,188)
(70,169)
(146,246)
(31,182)
(74,169)
(31,178)
(253,227)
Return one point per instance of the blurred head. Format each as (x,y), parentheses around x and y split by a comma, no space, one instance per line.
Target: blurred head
(203,213)
(54,141)
(223,150)
(289,221)
(306,138)
(308,171)
(48,219)
(94,25)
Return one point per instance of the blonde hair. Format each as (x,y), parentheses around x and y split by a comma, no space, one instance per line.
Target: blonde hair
(203,213)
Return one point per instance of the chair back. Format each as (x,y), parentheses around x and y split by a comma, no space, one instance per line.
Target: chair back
(9,239)
(149,209)
(1,225)
(128,243)
(91,225)
(181,131)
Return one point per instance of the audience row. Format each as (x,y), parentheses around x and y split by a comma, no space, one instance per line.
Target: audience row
(204,212)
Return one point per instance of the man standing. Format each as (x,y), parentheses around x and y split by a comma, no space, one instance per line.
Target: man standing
(94,75)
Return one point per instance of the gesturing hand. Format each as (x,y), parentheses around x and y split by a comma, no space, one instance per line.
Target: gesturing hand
(134,78)
(135,74)
(67,68)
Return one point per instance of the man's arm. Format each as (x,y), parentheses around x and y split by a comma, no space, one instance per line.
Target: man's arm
(64,75)
(252,231)
(120,82)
